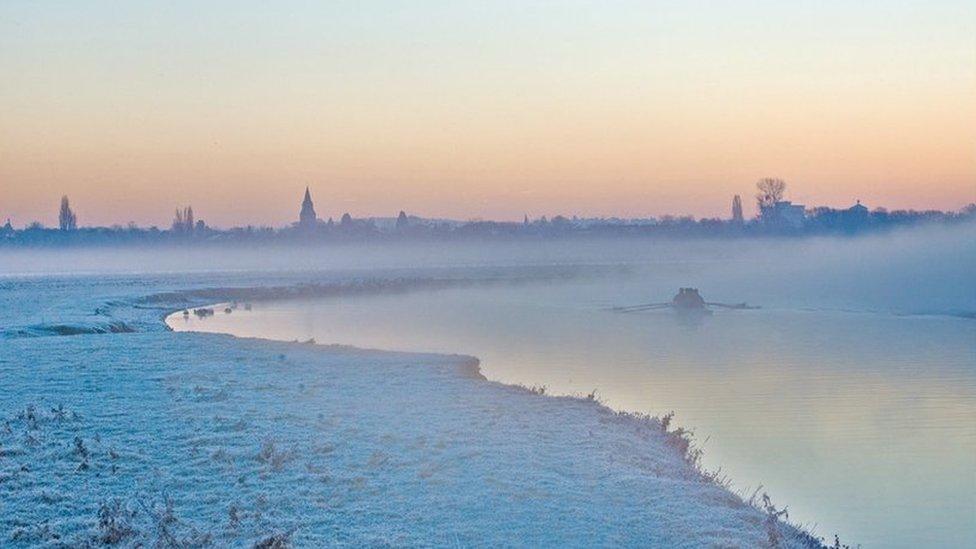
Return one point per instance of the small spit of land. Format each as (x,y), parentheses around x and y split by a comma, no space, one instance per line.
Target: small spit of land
(114,430)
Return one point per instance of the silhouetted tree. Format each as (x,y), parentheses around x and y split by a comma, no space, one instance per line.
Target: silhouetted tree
(67,220)
(402,222)
(770,192)
(737,209)
(560,222)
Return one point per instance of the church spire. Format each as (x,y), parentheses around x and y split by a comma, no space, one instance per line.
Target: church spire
(307,218)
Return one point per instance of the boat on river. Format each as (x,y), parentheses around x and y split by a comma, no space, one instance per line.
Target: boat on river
(686,301)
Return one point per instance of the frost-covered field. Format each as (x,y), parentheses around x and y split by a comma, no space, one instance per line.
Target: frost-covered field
(137,435)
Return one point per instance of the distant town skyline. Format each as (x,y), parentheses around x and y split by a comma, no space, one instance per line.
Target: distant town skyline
(227,215)
(481,109)
(308,220)
(778,217)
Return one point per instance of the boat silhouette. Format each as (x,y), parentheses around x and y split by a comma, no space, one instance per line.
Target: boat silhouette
(688,301)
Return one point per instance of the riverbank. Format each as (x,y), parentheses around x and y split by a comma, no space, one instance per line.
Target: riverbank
(149,435)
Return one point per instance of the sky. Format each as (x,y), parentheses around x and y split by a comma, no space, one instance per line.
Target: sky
(489,110)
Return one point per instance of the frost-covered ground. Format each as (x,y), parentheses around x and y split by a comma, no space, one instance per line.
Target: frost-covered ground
(113,429)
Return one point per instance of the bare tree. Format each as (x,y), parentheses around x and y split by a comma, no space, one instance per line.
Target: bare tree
(771,191)
(66,218)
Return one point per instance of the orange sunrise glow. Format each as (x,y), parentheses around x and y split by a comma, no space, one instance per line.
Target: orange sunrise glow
(616,110)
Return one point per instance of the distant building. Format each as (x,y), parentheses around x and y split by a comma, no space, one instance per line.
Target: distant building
(183,221)
(856,217)
(784,214)
(858,210)
(307,218)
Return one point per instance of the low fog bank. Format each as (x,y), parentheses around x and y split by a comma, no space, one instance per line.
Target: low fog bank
(918,270)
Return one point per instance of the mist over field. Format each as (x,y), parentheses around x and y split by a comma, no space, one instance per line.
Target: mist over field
(918,270)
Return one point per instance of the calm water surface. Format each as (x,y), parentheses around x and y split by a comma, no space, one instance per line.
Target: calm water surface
(862,422)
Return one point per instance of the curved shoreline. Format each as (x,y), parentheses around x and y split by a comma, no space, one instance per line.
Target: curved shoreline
(679,438)
(641,448)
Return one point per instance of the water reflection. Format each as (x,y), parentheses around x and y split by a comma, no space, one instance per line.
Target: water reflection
(861,422)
